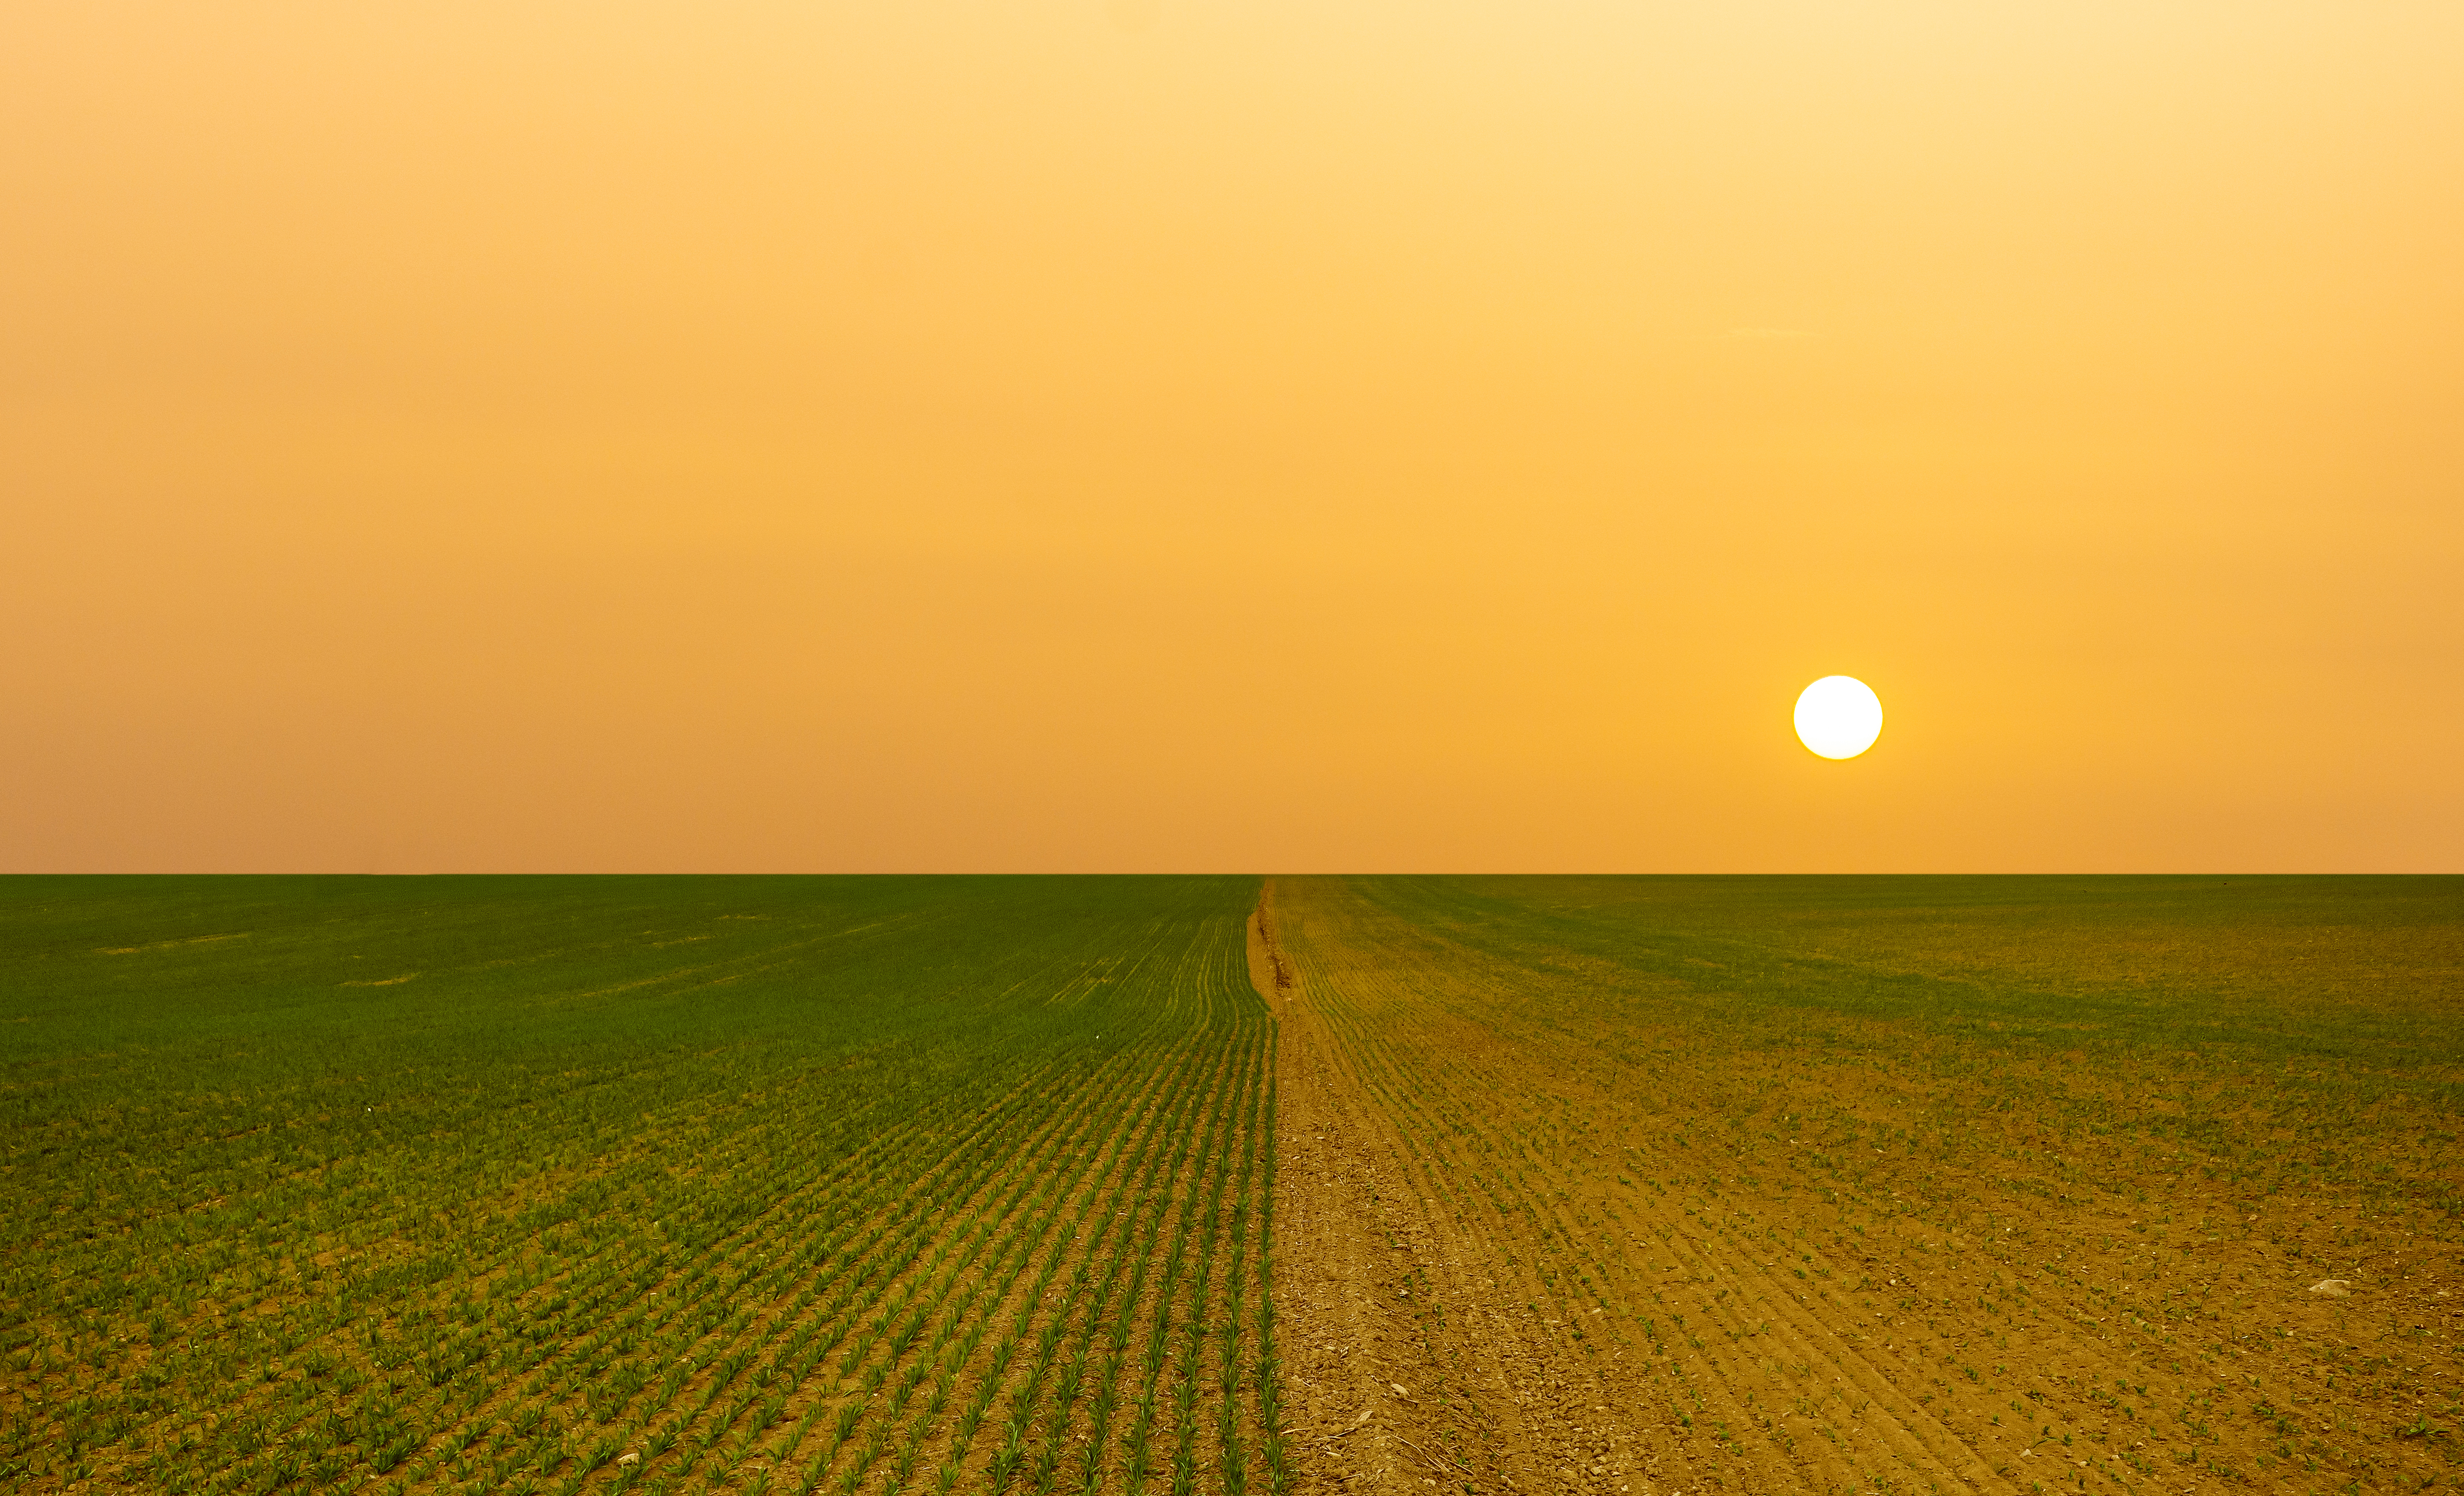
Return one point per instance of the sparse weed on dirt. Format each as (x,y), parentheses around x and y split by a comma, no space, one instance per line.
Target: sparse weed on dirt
(1803,1184)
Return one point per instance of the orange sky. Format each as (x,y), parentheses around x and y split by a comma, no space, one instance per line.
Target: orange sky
(1273,436)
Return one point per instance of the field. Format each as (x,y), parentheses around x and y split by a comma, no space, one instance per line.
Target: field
(1622,1186)
(1913,1185)
(572,1184)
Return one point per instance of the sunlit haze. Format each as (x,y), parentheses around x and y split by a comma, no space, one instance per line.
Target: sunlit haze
(1266,437)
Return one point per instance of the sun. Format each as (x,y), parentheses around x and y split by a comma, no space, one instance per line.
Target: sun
(1838,716)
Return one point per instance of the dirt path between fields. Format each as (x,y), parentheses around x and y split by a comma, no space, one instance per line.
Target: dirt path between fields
(1394,1377)
(1333,1311)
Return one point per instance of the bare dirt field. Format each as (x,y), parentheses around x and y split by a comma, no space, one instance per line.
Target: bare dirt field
(1619,1187)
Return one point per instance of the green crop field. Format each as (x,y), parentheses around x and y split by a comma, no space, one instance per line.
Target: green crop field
(553,1184)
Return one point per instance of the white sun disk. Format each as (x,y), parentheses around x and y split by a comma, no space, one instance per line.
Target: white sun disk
(1838,716)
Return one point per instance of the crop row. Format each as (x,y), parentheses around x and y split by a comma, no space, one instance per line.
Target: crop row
(1036,1262)
(1806,1245)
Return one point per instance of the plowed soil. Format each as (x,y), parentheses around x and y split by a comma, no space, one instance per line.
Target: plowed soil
(1551,1220)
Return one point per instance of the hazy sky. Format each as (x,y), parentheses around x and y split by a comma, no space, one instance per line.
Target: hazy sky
(1274,436)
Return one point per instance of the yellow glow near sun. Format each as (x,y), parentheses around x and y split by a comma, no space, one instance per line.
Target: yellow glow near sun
(1838,716)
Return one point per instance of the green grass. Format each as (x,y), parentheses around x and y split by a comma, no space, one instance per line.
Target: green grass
(442,1181)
